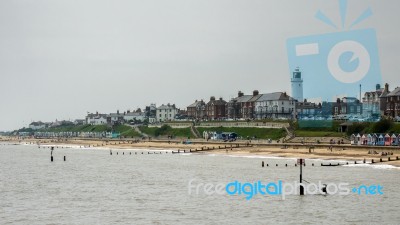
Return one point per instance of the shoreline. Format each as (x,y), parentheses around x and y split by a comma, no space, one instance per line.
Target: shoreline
(318,152)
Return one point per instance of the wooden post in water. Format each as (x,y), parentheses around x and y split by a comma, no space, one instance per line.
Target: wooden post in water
(301,176)
(51,154)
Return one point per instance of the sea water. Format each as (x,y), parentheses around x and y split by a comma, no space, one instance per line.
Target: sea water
(94,187)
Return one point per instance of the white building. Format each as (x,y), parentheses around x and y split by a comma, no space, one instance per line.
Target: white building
(37,125)
(96,119)
(139,116)
(297,85)
(166,113)
(275,105)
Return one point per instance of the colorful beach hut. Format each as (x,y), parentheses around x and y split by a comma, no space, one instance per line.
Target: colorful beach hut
(358,139)
(364,139)
(381,140)
(352,139)
(394,140)
(369,139)
(398,140)
(388,140)
(372,139)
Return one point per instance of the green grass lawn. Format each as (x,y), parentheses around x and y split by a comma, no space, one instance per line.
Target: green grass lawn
(244,132)
(167,130)
(148,130)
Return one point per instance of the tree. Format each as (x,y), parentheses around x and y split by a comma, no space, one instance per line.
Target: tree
(382,126)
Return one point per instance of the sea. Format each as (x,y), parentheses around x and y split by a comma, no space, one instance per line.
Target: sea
(154,186)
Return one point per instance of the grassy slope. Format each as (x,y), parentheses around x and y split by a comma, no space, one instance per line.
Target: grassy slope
(306,133)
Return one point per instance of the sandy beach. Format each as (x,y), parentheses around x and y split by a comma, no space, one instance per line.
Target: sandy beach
(344,152)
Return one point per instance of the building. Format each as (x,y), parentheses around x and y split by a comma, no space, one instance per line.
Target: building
(138,115)
(372,102)
(235,107)
(115,118)
(308,109)
(37,125)
(347,106)
(80,122)
(151,112)
(215,109)
(297,85)
(96,118)
(197,110)
(166,113)
(275,105)
(248,107)
(384,100)
(393,103)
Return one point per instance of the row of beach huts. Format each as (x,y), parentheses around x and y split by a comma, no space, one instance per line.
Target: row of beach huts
(375,139)
(76,134)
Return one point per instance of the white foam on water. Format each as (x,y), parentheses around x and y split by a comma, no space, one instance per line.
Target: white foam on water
(259,157)
(382,166)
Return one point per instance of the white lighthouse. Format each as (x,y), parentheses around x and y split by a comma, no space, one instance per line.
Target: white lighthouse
(297,85)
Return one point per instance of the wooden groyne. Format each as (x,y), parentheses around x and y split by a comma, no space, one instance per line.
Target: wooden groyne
(355,162)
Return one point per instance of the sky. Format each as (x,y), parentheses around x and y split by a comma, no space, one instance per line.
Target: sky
(62,59)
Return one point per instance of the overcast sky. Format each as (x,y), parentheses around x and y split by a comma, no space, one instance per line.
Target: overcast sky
(61,59)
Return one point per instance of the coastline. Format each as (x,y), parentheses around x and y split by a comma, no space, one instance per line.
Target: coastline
(319,152)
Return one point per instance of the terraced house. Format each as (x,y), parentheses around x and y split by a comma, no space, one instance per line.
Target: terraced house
(277,105)
(393,103)
(235,106)
(215,109)
(197,110)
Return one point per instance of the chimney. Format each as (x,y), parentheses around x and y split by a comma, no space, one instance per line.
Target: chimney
(240,94)
(129,111)
(255,92)
(220,98)
(338,100)
(118,112)
(97,113)
(212,98)
(378,86)
(387,87)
